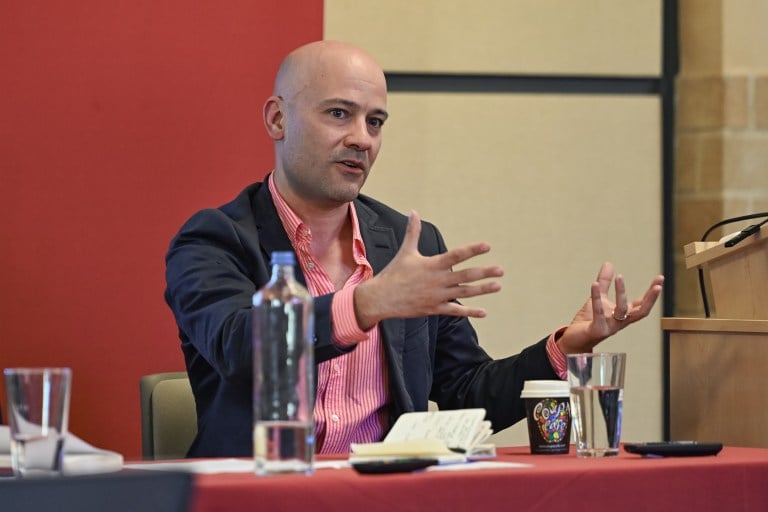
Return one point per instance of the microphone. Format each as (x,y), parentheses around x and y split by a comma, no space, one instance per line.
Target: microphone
(744,233)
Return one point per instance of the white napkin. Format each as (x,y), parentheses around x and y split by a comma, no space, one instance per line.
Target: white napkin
(80,458)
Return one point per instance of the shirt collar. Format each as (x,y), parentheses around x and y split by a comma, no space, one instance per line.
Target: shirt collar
(298,231)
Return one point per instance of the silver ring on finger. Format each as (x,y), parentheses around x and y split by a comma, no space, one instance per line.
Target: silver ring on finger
(620,318)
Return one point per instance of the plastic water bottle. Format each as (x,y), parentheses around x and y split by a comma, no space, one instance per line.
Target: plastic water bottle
(283,372)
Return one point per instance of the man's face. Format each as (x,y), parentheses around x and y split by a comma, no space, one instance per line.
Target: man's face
(333,131)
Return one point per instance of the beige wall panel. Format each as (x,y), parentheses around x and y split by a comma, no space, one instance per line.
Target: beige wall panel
(745,36)
(556,185)
(600,37)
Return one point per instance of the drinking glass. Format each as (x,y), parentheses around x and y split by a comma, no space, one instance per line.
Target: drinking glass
(38,413)
(596,384)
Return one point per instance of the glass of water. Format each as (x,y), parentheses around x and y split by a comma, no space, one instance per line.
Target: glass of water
(38,413)
(596,384)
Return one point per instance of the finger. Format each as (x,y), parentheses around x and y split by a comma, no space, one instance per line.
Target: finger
(597,301)
(621,308)
(465,291)
(456,309)
(605,276)
(470,275)
(645,304)
(598,312)
(461,254)
(412,232)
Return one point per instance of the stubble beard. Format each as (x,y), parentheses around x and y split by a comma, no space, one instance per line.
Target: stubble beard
(341,190)
(328,189)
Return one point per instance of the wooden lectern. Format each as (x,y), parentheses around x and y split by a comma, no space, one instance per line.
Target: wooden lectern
(718,366)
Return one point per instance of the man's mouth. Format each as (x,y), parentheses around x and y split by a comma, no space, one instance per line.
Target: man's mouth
(353,164)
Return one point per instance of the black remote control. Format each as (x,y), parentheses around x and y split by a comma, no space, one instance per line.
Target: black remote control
(393,465)
(674,448)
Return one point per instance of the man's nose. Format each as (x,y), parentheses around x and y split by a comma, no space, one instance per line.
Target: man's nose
(359,137)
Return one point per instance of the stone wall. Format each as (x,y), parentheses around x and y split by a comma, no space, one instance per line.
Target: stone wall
(722,126)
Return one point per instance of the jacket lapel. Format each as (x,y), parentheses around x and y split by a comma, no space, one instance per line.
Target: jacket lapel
(381,246)
(272,235)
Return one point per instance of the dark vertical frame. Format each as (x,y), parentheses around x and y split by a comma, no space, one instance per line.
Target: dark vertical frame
(670,68)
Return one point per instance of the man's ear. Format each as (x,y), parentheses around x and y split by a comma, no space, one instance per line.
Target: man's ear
(274,117)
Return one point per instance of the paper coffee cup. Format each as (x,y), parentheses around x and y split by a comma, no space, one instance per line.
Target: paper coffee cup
(548,409)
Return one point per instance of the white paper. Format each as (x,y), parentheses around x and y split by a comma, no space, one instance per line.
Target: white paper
(79,457)
(216,465)
(474,466)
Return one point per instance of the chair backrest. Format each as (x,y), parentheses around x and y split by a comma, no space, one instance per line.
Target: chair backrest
(168,415)
(147,491)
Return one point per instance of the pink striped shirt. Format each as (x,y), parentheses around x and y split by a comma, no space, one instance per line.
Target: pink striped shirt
(556,356)
(352,389)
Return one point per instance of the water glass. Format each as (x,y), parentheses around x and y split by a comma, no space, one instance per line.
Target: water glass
(596,384)
(38,413)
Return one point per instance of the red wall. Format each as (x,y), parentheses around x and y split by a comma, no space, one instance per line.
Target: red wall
(118,120)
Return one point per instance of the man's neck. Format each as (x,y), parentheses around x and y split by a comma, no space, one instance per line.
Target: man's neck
(331,241)
(326,222)
(326,225)
(331,234)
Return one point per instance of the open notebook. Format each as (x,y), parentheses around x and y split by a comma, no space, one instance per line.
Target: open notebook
(448,436)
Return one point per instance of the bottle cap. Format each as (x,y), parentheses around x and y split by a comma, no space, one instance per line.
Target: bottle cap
(283,258)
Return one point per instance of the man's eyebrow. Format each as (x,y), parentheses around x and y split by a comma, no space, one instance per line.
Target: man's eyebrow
(351,105)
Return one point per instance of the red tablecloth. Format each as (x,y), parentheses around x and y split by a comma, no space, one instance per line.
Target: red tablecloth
(734,480)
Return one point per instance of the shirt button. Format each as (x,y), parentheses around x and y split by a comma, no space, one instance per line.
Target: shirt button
(336,368)
(334,418)
(310,266)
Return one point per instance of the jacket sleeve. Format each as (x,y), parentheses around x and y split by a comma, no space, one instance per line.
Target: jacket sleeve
(213,268)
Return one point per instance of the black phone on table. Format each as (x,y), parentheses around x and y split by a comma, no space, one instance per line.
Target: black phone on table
(674,448)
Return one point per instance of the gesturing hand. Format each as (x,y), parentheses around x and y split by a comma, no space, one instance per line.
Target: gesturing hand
(600,318)
(414,285)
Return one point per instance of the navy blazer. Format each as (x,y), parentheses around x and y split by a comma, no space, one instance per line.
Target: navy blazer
(220,258)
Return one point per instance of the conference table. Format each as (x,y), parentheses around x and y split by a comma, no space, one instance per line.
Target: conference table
(734,480)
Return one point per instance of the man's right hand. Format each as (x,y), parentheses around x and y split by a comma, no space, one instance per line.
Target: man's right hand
(413,285)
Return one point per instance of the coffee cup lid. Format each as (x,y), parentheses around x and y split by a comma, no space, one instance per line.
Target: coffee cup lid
(544,388)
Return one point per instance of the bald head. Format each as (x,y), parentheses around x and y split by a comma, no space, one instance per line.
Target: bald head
(325,118)
(318,61)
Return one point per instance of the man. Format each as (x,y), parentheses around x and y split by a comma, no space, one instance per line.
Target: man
(390,333)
